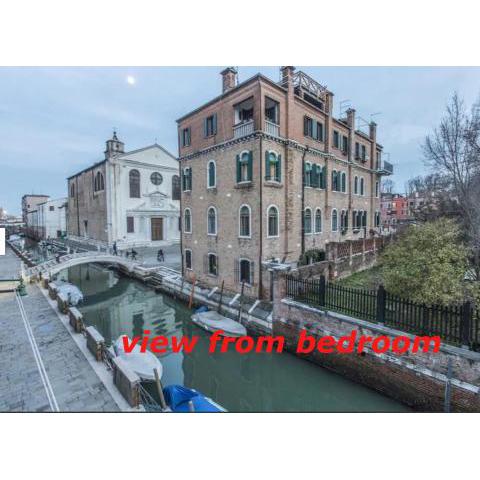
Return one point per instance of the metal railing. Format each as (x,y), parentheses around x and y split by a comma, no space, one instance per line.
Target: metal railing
(454,324)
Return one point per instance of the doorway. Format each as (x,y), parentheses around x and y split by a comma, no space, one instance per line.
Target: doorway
(157,229)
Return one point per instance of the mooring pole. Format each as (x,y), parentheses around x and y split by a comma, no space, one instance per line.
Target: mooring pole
(190,303)
(448,387)
(221,297)
(163,403)
(241,304)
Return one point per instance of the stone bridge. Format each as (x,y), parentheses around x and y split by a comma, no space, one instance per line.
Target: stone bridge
(52,267)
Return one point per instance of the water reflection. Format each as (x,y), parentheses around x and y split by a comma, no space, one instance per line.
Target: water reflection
(251,382)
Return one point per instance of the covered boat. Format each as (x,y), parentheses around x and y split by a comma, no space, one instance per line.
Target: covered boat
(142,363)
(213,321)
(182,399)
(73,293)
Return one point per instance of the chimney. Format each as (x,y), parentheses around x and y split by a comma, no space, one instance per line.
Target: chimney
(351,118)
(287,75)
(229,79)
(373,131)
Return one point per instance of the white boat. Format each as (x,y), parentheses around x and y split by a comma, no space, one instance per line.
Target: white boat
(213,321)
(142,363)
(72,292)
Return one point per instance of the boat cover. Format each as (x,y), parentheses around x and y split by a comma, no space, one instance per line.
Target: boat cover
(177,398)
(73,293)
(213,321)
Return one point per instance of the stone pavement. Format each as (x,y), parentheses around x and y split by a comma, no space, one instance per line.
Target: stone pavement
(74,383)
(10,265)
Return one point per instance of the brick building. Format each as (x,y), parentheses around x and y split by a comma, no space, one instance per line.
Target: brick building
(267,174)
(395,209)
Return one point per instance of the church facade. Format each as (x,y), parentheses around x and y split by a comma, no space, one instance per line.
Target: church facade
(131,198)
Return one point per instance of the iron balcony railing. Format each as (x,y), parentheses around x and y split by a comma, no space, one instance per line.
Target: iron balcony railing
(384,167)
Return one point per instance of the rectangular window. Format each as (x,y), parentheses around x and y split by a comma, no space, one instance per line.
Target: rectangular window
(130,225)
(344,144)
(51,208)
(210,125)
(308,127)
(336,139)
(188,259)
(212,264)
(186,137)
(357,151)
(187,179)
(364,153)
(320,132)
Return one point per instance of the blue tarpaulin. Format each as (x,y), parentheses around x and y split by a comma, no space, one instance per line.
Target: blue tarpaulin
(178,397)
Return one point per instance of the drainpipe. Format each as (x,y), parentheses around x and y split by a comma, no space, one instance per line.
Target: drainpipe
(260,252)
(303,198)
(180,212)
(78,213)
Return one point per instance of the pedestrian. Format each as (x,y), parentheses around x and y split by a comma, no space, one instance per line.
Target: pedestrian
(134,254)
(160,256)
(127,253)
(115,251)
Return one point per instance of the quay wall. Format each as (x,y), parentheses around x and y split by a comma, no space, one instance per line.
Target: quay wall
(418,380)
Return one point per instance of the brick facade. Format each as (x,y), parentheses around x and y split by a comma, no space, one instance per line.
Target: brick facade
(295,151)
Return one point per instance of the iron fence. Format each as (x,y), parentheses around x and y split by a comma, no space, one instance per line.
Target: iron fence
(454,324)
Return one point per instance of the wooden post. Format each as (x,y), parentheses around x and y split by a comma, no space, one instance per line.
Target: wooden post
(221,297)
(163,403)
(190,303)
(241,304)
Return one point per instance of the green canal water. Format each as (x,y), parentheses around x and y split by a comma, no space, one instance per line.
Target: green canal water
(241,383)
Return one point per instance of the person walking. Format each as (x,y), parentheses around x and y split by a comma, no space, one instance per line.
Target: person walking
(115,251)
(133,254)
(160,256)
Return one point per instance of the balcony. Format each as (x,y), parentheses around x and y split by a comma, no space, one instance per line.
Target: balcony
(384,167)
(272,129)
(243,129)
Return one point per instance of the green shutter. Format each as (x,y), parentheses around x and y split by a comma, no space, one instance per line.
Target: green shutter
(215,124)
(204,127)
(239,171)
(278,169)
(250,166)
(267,166)
(314,129)
(305,126)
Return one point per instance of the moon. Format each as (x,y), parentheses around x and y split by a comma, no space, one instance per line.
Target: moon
(131,80)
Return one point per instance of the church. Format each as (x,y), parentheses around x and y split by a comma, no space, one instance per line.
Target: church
(131,198)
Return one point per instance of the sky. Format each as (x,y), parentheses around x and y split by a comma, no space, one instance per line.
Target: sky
(54,121)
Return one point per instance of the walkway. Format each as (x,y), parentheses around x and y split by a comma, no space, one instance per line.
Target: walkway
(57,373)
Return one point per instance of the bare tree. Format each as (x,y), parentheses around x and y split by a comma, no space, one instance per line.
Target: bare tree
(388,186)
(453,152)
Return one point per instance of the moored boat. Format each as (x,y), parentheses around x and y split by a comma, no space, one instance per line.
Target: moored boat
(142,363)
(213,321)
(183,399)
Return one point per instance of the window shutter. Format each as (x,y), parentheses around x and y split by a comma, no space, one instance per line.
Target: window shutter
(313,176)
(215,124)
(278,169)
(204,127)
(250,166)
(267,166)
(314,129)
(320,131)
(239,170)
(305,126)
(236,270)
(252,273)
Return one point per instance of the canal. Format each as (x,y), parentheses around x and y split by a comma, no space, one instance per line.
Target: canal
(255,382)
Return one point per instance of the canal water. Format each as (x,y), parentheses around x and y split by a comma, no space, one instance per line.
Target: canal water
(256,382)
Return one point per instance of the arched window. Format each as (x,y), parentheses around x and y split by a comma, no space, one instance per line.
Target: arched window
(134,179)
(307,221)
(355,186)
(344,220)
(362,186)
(273,168)
(334,220)
(245,167)
(187,179)
(272,214)
(244,221)
(344,182)
(335,181)
(245,271)
(72,190)
(364,219)
(211,175)
(99,182)
(318,220)
(212,221)
(187,221)
(212,267)
(175,187)
(308,174)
